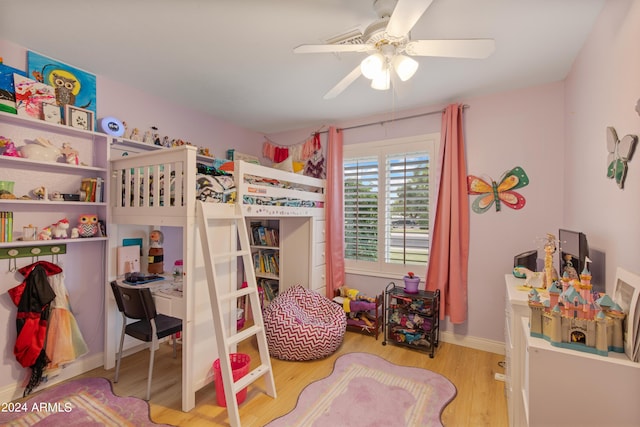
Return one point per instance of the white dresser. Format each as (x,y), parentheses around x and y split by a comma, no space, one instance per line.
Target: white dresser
(516,309)
(552,386)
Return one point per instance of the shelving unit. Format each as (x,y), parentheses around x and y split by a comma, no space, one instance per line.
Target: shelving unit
(412,320)
(265,247)
(300,251)
(29,174)
(83,260)
(123,147)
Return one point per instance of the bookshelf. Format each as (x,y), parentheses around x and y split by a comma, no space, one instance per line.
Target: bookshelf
(265,249)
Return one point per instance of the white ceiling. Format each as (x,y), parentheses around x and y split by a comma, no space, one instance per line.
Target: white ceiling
(234,59)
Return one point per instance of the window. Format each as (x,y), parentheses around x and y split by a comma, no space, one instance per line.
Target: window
(388,205)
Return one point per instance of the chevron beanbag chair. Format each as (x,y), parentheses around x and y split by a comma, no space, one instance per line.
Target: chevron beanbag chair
(301,324)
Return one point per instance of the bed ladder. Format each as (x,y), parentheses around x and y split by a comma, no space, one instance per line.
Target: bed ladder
(212,215)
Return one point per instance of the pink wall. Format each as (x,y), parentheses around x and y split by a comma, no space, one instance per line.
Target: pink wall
(520,128)
(556,132)
(602,90)
(143,110)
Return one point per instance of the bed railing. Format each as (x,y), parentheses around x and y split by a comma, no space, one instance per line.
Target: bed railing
(270,192)
(154,183)
(162,185)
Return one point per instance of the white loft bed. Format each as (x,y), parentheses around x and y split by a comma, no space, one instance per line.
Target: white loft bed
(142,204)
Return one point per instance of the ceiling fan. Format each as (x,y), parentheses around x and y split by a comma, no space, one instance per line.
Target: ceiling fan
(390,47)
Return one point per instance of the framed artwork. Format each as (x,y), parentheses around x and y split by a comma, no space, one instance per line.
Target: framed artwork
(7,90)
(79,118)
(31,95)
(72,85)
(626,293)
(52,113)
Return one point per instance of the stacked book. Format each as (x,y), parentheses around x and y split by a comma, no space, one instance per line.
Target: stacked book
(270,289)
(264,236)
(267,261)
(6,226)
(92,189)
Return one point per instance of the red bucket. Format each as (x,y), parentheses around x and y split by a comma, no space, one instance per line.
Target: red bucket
(240,367)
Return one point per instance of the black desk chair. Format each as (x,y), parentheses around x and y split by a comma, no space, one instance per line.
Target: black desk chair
(137,303)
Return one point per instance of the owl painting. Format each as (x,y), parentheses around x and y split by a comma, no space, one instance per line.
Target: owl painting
(88,225)
(65,88)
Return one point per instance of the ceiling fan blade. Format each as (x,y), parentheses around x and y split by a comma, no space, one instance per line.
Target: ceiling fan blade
(344,83)
(462,48)
(332,48)
(405,15)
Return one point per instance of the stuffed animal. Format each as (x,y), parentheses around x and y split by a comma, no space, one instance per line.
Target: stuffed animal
(88,225)
(59,229)
(45,234)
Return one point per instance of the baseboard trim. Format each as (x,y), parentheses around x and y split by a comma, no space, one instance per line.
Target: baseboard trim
(14,391)
(473,342)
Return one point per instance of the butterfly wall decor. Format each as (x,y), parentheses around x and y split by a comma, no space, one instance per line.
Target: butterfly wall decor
(620,152)
(493,192)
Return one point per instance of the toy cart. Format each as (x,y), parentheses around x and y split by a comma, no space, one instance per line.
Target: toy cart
(411,319)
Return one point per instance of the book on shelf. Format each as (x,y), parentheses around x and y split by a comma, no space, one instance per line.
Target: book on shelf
(264,236)
(6,226)
(99,190)
(267,261)
(93,189)
(270,288)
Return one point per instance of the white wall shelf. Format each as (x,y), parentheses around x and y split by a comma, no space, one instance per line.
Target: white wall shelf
(85,260)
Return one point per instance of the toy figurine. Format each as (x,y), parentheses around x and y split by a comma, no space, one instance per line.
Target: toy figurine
(70,154)
(156,253)
(550,273)
(9,146)
(156,137)
(147,138)
(88,225)
(40,193)
(59,229)
(135,135)
(45,234)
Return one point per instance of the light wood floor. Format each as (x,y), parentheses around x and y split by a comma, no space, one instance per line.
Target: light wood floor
(480,400)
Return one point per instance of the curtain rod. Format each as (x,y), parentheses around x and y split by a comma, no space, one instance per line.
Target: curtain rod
(382,122)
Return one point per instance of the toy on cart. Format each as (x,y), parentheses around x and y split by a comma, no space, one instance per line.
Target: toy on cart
(411,319)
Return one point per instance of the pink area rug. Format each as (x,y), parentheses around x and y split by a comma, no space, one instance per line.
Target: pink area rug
(366,390)
(84,402)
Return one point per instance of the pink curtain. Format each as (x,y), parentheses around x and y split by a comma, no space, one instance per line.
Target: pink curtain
(334,214)
(449,255)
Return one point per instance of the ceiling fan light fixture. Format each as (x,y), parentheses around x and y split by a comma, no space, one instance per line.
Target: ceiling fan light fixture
(405,67)
(382,81)
(372,66)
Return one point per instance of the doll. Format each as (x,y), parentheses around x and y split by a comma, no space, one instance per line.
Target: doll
(156,253)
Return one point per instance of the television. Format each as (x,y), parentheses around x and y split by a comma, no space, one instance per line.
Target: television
(573,248)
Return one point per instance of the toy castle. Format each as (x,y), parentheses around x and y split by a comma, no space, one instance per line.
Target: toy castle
(570,318)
